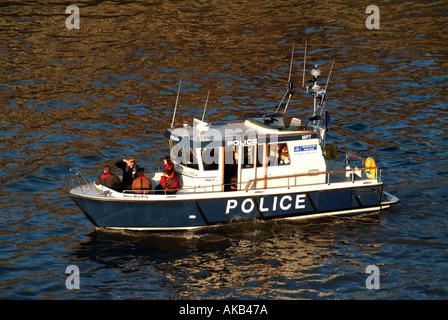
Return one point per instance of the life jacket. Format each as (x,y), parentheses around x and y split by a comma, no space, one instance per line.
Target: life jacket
(168,168)
(105,175)
(171,182)
(141,183)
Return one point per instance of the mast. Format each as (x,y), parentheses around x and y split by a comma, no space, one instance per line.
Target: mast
(328,79)
(175,107)
(205,107)
(304,64)
(289,89)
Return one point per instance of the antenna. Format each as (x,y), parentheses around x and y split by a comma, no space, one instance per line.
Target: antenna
(175,107)
(290,65)
(290,85)
(304,64)
(290,95)
(328,79)
(205,107)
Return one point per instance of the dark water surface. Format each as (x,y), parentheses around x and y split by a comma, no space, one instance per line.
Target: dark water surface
(81,98)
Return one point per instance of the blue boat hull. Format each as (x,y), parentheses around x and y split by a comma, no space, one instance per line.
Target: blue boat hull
(177,214)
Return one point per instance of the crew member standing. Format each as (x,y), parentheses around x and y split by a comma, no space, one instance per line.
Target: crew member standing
(129,168)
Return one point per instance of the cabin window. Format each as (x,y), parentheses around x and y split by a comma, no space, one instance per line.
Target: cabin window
(250,157)
(279,154)
(192,160)
(210,158)
(187,156)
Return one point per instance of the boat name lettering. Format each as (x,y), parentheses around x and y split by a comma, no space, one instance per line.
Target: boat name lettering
(136,196)
(306,136)
(283,203)
(242,142)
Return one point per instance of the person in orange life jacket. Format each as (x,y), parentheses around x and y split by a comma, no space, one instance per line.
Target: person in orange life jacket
(129,168)
(108,179)
(141,184)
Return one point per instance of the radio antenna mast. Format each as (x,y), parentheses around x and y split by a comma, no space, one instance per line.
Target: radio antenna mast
(205,107)
(290,65)
(328,79)
(290,86)
(175,107)
(304,64)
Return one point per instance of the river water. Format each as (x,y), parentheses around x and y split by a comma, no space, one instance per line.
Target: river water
(89,96)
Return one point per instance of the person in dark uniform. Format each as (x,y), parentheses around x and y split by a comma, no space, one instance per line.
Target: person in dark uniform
(108,179)
(129,168)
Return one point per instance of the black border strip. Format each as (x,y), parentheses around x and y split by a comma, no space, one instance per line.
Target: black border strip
(201,213)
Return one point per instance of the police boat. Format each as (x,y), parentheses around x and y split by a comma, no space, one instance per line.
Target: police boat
(265,166)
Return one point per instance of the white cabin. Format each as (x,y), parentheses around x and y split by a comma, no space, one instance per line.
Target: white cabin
(261,152)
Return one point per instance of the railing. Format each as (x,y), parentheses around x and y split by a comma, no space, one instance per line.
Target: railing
(75,174)
(348,155)
(295,176)
(79,177)
(193,189)
(328,173)
(219,187)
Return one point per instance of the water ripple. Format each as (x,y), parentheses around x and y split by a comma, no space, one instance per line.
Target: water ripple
(90,96)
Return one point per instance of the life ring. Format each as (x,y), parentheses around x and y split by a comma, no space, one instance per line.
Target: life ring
(370,163)
(331,152)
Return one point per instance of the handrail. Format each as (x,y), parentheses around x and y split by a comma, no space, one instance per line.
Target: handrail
(180,191)
(78,174)
(308,174)
(347,154)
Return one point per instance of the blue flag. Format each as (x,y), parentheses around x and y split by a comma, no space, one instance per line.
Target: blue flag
(326,119)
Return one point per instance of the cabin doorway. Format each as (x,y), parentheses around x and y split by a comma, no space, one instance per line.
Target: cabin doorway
(251,164)
(230,180)
(242,164)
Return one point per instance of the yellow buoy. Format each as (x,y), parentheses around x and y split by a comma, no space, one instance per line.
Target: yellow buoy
(370,163)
